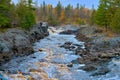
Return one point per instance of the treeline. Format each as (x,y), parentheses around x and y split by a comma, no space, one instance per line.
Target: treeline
(108,15)
(64,15)
(19,15)
(24,15)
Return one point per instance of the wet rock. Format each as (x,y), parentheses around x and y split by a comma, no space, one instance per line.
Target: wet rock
(68,32)
(34,70)
(117,54)
(89,68)
(70,65)
(40,50)
(67,45)
(101,71)
(33,57)
(73,47)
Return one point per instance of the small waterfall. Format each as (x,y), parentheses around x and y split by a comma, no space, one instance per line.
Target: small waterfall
(53,30)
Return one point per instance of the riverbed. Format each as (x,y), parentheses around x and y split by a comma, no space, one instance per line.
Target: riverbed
(52,62)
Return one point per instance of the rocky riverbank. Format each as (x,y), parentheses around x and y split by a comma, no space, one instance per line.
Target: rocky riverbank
(99,49)
(48,62)
(17,42)
(59,57)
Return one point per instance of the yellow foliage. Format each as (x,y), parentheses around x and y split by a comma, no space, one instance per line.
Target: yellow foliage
(62,16)
(48,6)
(85,10)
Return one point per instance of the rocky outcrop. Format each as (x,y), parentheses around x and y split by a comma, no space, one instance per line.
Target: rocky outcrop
(38,31)
(16,42)
(98,52)
(99,49)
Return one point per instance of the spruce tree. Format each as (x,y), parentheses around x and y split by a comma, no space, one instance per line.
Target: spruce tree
(104,13)
(4,13)
(25,13)
(100,15)
(59,9)
(115,24)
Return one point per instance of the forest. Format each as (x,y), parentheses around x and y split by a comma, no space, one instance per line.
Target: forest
(26,13)
(43,41)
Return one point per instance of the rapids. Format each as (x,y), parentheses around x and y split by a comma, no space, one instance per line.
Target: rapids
(50,62)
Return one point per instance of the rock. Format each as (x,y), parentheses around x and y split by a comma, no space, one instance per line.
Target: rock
(101,71)
(82,37)
(105,55)
(70,65)
(66,45)
(34,70)
(39,31)
(4,48)
(117,54)
(16,42)
(72,47)
(40,50)
(68,32)
(89,68)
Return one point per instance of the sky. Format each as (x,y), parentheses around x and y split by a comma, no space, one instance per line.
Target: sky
(87,3)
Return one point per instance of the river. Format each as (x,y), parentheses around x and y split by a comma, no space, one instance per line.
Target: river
(50,62)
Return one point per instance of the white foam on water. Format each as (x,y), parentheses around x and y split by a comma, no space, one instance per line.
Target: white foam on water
(53,60)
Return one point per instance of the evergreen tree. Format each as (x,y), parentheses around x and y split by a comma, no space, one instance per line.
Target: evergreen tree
(13,15)
(92,16)
(58,9)
(25,13)
(68,11)
(44,11)
(4,13)
(100,15)
(115,24)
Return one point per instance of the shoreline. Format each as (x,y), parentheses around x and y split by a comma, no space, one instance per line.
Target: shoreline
(16,42)
(99,49)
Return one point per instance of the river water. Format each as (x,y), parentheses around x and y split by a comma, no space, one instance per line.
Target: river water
(49,62)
